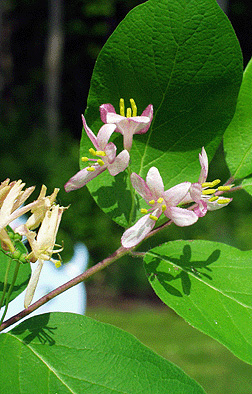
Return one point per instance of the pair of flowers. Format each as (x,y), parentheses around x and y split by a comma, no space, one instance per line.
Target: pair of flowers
(45,214)
(104,154)
(203,194)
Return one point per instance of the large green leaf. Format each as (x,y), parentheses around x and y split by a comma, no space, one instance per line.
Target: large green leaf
(210,285)
(68,353)
(237,138)
(183,57)
(23,273)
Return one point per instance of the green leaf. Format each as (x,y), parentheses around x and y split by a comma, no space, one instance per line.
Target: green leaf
(209,284)
(183,57)
(68,353)
(237,138)
(23,273)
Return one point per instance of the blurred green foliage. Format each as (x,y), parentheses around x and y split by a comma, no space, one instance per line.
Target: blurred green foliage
(28,153)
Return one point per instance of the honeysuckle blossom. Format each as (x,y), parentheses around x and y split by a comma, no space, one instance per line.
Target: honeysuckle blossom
(204,193)
(11,198)
(160,201)
(105,157)
(42,247)
(44,203)
(131,123)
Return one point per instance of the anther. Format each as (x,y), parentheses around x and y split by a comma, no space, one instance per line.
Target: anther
(224,188)
(224,200)
(208,191)
(100,162)
(57,264)
(160,200)
(163,207)
(134,107)
(100,153)
(92,151)
(128,114)
(143,210)
(90,169)
(153,217)
(214,198)
(152,202)
(85,159)
(121,105)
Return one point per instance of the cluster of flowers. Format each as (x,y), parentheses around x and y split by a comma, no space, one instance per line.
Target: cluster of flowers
(204,194)
(45,216)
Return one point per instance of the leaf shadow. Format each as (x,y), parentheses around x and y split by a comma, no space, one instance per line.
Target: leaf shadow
(37,327)
(198,268)
(118,194)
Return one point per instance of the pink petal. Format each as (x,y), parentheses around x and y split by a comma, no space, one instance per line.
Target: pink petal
(120,163)
(83,177)
(138,232)
(181,217)
(155,182)
(104,135)
(149,113)
(204,166)
(201,209)
(141,187)
(176,194)
(110,151)
(105,109)
(195,191)
(90,134)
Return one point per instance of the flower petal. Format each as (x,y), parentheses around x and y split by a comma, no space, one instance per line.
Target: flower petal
(138,232)
(104,135)
(204,166)
(120,163)
(176,194)
(110,151)
(106,109)
(149,113)
(212,206)
(30,290)
(181,217)
(90,134)
(155,182)
(83,177)
(141,187)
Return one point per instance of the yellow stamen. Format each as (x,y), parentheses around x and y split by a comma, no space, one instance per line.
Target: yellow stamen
(214,198)
(90,169)
(144,211)
(160,200)
(153,217)
(57,264)
(152,202)
(134,107)
(122,108)
(92,151)
(211,184)
(163,207)
(100,153)
(128,114)
(224,200)
(208,191)
(100,162)
(85,159)
(224,188)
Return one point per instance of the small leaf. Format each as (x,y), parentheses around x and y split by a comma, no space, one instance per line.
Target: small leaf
(68,353)
(237,137)
(183,57)
(209,284)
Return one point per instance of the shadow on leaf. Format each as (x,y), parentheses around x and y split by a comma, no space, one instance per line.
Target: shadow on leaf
(182,270)
(36,327)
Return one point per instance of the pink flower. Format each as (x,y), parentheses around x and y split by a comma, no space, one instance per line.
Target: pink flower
(160,201)
(127,125)
(105,157)
(203,193)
